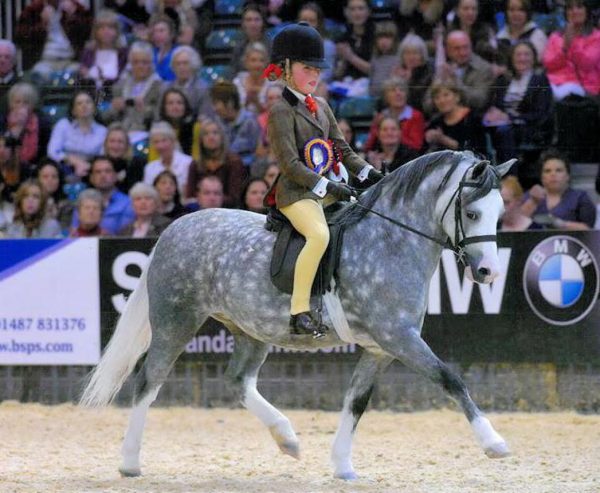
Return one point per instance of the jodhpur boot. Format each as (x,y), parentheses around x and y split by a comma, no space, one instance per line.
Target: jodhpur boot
(305,323)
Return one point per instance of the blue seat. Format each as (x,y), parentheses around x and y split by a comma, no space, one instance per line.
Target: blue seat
(360,139)
(213,73)
(140,148)
(549,22)
(55,111)
(223,40)
(229,7)
(63,78)
(358,108)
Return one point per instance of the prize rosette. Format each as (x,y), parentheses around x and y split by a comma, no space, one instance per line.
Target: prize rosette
(318,156)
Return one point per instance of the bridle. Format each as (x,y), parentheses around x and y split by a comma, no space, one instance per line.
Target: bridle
(460,239)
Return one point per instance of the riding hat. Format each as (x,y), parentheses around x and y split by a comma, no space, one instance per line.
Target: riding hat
(300,43)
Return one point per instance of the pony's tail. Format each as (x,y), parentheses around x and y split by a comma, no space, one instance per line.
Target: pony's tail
(131,339)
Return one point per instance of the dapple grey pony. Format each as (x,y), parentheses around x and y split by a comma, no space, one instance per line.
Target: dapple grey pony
(215,263)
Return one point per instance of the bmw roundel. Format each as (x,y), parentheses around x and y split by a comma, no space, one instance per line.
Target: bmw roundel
(561,280)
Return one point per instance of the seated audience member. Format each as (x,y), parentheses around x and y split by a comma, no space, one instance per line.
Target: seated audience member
(78,137)
(384,56)
(116,212)
(148,222)
(521,118)
(572,56)
(555,204)
(164,140)
(162,37)
(347,132)
(520,27)
(53,33)
(253,195)
(241,127)
(389,152)
(58,206)
(253,28)
(512,196)
(312,14)
(186,64)
(209,194)
(269,96)
(175,109)
(414,67)
(216,160)
(421,17)
(7,210)
(250,81)
(11,173)
(105,56)
(30,220)
(412,121)
(184,17)
(356,47)
(89,210)
(129,168)
(170,201)
(9,74)
(23,125)
(456,126)
(136,93)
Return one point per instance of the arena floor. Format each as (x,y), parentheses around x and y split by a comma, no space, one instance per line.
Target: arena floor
(67,449)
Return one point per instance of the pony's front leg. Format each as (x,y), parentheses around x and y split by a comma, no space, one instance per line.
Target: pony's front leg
(355,402)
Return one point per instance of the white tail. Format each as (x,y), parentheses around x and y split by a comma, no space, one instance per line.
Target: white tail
(130,340)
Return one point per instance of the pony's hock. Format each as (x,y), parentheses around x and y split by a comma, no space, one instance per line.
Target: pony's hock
(215,263)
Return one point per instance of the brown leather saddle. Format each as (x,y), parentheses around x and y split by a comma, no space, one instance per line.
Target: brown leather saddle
(289,243)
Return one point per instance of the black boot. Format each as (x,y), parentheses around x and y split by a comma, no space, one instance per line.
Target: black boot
(306,323)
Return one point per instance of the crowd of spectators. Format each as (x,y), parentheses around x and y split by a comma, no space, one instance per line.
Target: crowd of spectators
(146,138)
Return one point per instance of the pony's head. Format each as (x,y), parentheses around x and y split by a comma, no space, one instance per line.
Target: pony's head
(470,208)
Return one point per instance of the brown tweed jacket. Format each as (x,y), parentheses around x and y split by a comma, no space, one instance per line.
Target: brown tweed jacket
(290,126)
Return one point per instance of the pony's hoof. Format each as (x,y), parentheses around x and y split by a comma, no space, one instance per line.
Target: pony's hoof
(286,441)
(130,473)
(346,476)
(291,449)
(497,451)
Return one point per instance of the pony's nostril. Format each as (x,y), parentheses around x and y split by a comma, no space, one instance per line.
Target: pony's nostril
(484,271)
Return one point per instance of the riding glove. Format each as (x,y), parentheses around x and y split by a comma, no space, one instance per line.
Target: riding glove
(340,191)
(374,176)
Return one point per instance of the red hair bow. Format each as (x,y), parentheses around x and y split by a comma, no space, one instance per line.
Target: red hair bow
(272,72)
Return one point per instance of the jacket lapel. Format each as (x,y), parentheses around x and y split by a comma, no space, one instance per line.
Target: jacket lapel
(302,110)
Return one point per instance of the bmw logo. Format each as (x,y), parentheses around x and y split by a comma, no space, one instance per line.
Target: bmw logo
(561,280)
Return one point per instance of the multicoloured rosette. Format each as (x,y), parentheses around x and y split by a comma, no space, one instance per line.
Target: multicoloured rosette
(318,155)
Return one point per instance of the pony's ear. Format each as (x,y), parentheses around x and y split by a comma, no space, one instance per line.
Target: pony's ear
(503,168)
(478,169)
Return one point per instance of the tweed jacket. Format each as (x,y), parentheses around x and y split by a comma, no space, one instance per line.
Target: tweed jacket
(290,127)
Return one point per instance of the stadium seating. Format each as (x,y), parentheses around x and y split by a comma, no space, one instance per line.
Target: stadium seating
(213,73)
(220,44)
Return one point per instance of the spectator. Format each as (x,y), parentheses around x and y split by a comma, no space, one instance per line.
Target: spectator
(347,132)
(148,222)
(269,96)
(520,27)
(11,173)
(175,109)
(51,179)
(521,117)
(186,64)
(105,57)
(456,126)
(421,18)
(473,74)
(312,13)
(250,82)
(8,71)
(241,127)
(209,194)
(24,126)
(77,138)
(389,152)
(116,212)
(30,219)
(253,31)
(512,195)
(7,210)
(253,195)
(216,160)
(384,56)
(356,47)
(132,12)
(170,200)
(136,93)
(271,173)
(555,204)
(129,168)
(184,18)
(412,122)
(414,67)
(89,211)
(572,57)
(162,37)
(53,33)
(164,140)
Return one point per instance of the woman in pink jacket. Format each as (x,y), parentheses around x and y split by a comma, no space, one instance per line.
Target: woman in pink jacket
(572,57)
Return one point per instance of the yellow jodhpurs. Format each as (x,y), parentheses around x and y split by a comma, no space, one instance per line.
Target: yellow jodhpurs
(308,219)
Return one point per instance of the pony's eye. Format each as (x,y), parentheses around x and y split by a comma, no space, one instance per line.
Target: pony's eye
(472,215)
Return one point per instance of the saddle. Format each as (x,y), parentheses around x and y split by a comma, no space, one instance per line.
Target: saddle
(289,243)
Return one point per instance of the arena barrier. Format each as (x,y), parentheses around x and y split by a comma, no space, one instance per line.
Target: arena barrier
(531,340)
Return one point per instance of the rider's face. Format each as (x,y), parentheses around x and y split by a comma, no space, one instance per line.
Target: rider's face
(305,77)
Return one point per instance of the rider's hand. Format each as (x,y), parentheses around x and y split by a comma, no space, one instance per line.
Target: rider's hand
(340,191)
(374,176)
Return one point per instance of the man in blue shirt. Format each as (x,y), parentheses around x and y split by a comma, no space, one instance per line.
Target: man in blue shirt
(117,212)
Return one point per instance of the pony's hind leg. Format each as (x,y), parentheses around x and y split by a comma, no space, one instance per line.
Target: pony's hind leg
(412,350)
(242,374)
(355,402)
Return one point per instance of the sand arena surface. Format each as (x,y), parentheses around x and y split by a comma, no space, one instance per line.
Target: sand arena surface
(68,449)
